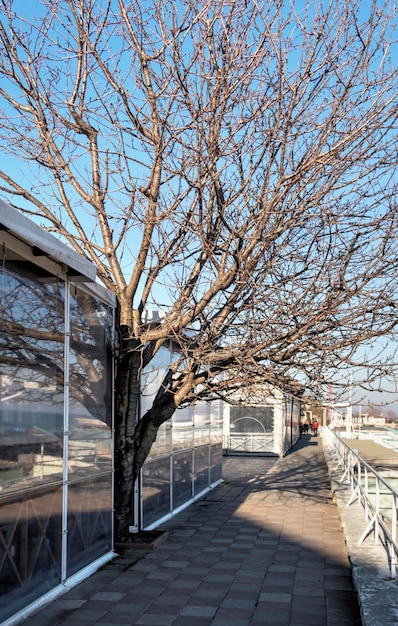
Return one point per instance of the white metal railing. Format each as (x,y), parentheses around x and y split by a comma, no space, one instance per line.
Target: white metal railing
(250,442)
(377,496)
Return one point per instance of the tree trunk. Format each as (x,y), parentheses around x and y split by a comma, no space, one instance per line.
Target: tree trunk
(133,436)
(127,393)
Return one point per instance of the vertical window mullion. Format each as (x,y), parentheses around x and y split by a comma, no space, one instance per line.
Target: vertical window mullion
(64,546)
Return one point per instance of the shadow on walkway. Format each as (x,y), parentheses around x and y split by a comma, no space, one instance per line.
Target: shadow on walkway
(265,547)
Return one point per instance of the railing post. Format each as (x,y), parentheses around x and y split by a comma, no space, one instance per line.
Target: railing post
(366,505)
(394,547)
(376,540)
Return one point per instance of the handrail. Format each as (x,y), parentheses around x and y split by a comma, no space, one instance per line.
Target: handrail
(377,496)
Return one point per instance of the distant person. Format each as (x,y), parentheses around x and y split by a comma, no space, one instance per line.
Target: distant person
(304,426)
(314,427)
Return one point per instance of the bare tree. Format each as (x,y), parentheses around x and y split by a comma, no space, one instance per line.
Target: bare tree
(230,164)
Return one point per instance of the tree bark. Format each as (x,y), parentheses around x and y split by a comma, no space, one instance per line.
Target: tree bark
(127,393)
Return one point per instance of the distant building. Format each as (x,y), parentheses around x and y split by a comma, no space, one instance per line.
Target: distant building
(373,420)
(269,424)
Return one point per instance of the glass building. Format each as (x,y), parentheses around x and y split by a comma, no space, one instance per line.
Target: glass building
(268,427)
(56,375)
(186,459)
(56,424)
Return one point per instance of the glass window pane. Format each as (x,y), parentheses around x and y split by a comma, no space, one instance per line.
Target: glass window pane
(152,376)
(182,429)
(162,444)
(182,478)
(31,433)
(216,455)
(89,519)
(201,465)
(30,546)
(155,490)
(90,435)
(151,379)
(202,423)
(216,421)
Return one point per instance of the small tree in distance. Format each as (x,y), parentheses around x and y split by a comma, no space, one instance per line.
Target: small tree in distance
(229,164)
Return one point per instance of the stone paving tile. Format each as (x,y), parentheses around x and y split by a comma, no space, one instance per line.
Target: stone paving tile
(234,613)
(131,609)
(91,615)
(198,611)
(228,621)
(271,613)
(72,621)
(308,620)
(155,620)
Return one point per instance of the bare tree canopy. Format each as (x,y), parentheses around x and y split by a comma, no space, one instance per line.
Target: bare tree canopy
(230,164)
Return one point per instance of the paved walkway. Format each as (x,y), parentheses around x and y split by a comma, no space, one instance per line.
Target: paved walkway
(266,547)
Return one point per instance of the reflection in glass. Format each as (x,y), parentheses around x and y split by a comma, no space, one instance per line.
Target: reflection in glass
(215,463)
(89,519)
(182,431)
(90,419)
(30,547)
(155,490)
(216,422)
(182,478)
(151,379)
(31,433)
(162,443)
(253,420)
(201,464)
(202,423)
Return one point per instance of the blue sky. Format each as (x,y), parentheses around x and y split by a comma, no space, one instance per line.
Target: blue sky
(33,8)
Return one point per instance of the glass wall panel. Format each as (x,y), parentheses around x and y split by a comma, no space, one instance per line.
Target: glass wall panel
(252,419)
(202,423)
(291,422)
(183,441)
(182,478)
(252,429)
(182,429)
(31,432)
(201,466)
(151,380)
(152,376)
(30,546)
(155,490)
(89,519)
(216,421)
(162,444)
(216,455)
(90,420)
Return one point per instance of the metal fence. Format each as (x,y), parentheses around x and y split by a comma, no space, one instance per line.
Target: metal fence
(249,443)
(371,491)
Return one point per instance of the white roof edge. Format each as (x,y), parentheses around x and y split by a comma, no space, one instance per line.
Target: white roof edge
(24,228)
(98,289)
